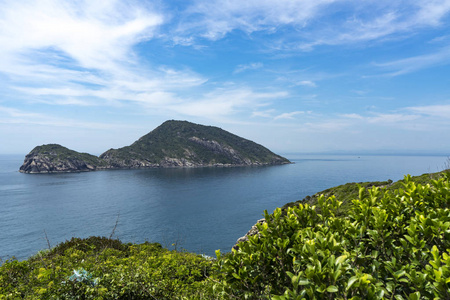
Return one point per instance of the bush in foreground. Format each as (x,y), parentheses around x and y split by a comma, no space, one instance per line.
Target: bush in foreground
(101,268)
(387,245)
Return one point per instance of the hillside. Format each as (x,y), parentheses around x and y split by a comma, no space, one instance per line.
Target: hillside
(349,191)
(185,144)
(172,144)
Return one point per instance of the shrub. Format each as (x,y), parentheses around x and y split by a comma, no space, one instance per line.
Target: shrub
(386,245)
(101,268)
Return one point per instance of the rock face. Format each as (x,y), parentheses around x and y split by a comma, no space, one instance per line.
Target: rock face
(172,144)
(253,231)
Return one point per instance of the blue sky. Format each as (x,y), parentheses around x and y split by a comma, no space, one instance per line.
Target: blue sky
(293,75)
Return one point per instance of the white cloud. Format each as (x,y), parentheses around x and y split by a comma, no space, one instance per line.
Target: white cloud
(382,119)
(289,115)
(10,115)
(214,19)
(94,34)
(308,83)
(264,114)
(221,102)
(330,125)
(352,116)
(252,66)
(391,118)
(357,21)
(415,63)
(440,111)
(81,52)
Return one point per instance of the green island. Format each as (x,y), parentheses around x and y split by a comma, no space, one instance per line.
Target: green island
(172,144)
(372,240)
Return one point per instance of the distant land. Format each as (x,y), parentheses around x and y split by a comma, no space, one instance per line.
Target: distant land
(172,144)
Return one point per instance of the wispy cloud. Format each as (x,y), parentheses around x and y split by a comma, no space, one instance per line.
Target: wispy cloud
(358,21)
(87,34)
(415,63)
(418,118)
(308,83)
(383,119)
(391,118)
(440,111)
(289,115)
(82,53)
(252,66)
(10,115)
(264,113)
(223,102)
(214,19)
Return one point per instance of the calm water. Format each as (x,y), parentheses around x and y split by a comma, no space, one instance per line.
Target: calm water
(200,210)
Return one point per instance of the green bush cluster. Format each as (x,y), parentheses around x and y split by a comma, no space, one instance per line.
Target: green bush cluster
(387,245)
(101,268)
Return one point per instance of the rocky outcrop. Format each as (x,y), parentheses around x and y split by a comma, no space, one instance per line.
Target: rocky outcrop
(253,231)
(42,164)
(232,154)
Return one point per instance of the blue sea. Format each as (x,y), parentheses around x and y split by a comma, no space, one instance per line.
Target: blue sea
(199,210)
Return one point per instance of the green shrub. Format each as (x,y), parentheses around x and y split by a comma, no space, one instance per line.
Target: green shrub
(101,268)
(386,245)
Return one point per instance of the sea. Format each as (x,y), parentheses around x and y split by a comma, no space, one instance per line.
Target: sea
(194,209)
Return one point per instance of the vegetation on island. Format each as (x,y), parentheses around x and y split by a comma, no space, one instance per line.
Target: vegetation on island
(390,242)
(58,152)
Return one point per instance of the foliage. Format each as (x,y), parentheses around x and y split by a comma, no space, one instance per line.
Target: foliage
(391,244)
(349,191)
(101,268)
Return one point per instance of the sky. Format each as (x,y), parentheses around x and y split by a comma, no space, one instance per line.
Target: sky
(297,76)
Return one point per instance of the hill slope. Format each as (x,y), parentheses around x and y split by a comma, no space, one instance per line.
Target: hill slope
(172,144)
(185,144)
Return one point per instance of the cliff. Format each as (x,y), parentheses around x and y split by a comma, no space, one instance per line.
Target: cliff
(172,144)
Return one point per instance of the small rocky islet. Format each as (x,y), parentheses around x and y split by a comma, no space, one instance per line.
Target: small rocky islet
(172,144)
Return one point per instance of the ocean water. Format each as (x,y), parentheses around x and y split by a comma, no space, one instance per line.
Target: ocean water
(199,210)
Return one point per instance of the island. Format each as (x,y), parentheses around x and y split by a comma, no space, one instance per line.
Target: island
(172,144)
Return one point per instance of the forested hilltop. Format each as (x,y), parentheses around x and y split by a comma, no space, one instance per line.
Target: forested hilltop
(172,144)
(380,240)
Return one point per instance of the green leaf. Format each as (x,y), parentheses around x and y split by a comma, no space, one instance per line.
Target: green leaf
(303,282)
(351,281)
(341,259)
(332,289)
(414,296)
(399,274)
